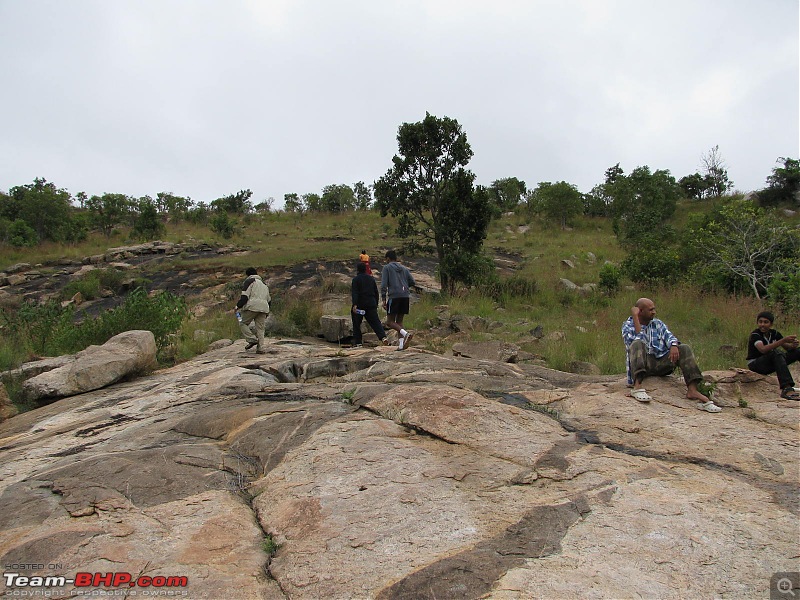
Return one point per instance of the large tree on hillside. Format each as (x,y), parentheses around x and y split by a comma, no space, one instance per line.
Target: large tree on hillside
(560,201)
(433,197)
(641,203)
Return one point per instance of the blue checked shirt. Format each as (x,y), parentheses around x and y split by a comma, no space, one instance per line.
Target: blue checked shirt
(656,336)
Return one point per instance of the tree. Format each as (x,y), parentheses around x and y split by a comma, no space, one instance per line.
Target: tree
(745,243)
(238,203)
(560,201)
(363,194)
(693,186)
(783,186)
(338,198)
(433,197)
(108,210)
(312,202)
(147,225)
(43,206)
(506,194)
(642,202)
(177,207)
(715,175)
(293,203)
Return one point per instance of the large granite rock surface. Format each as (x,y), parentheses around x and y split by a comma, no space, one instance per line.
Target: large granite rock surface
(384,474)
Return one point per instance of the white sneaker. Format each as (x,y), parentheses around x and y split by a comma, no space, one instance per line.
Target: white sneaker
(401,340)
(709,407)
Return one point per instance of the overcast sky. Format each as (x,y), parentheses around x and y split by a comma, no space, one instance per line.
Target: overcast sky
(203,98)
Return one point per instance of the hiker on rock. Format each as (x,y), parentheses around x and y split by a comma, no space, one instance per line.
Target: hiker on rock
(652,349)
(769,351)
(396,283)
(364,292)
(252,310)
(364,258)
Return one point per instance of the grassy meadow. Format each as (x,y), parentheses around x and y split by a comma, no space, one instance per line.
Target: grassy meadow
(717,326)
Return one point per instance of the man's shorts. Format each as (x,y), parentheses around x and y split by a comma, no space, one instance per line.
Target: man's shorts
(397,306)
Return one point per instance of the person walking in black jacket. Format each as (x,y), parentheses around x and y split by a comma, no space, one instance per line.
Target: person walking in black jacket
(365,298)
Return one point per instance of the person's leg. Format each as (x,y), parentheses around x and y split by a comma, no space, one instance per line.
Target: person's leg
(247,332)
(691,373)
(637,354)
(375,323)
(356,318)
(775,362)
(260,321)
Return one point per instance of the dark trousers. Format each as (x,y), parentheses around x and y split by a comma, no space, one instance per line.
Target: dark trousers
(776,361)
(374,321)
(643,364)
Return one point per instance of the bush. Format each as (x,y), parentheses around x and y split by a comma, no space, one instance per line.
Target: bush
(610,276)
(222,224)
(652,264)
(49,330)
(20,234)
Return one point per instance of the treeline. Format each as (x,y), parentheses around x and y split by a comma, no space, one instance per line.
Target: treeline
(41,211)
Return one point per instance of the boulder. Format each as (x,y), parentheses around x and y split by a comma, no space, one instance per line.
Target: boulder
(18,267)
(499,351)
(95,367)
(335,328)
(583,368)
(565,262)
(567,285)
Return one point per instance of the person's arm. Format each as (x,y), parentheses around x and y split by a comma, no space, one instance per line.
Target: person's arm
(637,326)
(245,294)
(790,341)
(354,294)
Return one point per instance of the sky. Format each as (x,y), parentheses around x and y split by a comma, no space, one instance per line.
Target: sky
(203,98)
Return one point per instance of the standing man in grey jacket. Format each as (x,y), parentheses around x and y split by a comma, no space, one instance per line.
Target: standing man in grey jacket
(253,305)
(396,283)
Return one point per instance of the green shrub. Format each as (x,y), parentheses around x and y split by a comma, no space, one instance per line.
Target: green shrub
(223,224)
(49,330)
(20,234)
(610,276)
(652,264)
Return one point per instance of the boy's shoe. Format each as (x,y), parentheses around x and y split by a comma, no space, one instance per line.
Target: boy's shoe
(385,341)
(401,342)
(790,394)
(250,345)
(709,407)
(407,340)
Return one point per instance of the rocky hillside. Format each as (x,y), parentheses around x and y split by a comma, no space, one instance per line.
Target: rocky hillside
(314,472)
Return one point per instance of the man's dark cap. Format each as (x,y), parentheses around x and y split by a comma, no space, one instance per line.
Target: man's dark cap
(251,271)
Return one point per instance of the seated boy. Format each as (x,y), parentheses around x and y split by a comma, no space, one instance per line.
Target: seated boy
(768,351)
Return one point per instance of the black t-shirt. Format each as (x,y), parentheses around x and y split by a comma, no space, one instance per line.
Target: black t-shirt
(766,338)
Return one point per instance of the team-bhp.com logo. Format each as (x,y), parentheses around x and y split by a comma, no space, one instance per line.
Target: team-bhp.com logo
(94,580)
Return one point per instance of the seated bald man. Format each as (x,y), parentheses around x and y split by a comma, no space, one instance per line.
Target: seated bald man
(653,350)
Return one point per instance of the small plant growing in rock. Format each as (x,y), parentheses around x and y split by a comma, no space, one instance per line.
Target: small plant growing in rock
(269,546)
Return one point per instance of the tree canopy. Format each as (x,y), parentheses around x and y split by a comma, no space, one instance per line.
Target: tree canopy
(433,197)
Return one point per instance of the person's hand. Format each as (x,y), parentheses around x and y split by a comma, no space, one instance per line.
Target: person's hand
(674,354)
(790,341)
(635,312)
